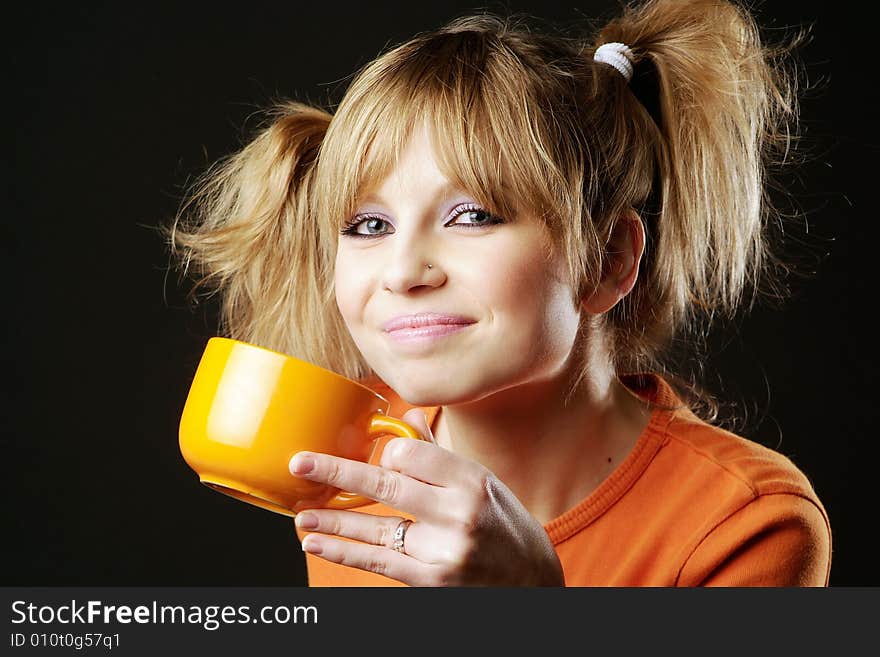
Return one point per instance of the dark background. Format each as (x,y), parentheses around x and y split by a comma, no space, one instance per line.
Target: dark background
(114,108)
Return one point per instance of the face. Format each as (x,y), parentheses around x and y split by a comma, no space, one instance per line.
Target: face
(491,312)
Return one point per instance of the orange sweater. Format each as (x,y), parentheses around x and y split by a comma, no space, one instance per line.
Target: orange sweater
(691,505)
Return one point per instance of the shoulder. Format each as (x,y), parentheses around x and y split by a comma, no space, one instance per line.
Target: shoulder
(745,499)
(711,455)
(735,461)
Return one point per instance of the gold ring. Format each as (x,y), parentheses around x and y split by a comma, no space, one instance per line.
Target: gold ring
(400,536)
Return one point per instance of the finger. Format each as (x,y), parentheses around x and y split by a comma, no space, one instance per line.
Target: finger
(417,419)
(431,463)
(394,489)
(364,527)
(374,559)
(422,540)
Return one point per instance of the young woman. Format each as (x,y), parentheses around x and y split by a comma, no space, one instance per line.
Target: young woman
(501,231)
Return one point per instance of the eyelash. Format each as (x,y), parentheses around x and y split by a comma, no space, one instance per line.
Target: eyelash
(350,227)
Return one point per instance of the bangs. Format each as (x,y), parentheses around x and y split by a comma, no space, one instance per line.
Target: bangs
(481,107)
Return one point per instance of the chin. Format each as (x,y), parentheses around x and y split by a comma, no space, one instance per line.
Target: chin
(423,391)
(420,394)
(440,392)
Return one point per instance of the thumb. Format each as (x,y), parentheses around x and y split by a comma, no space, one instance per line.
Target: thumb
(418,420)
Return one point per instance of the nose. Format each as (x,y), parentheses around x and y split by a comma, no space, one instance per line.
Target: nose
(412,267)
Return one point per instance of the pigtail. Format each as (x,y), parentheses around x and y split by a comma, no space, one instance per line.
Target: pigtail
(721,109)
(247,233)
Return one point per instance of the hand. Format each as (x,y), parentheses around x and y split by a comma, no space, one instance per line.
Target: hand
(469,529)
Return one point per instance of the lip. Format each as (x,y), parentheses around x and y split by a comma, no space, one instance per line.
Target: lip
(422,329)
(426,320)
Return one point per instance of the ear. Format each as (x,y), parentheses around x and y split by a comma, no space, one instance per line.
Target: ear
(624,252)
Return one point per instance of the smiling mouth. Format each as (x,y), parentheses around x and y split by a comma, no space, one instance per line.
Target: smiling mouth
(426,333)
(425,319)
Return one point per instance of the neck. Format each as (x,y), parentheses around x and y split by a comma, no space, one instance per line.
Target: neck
(551,442)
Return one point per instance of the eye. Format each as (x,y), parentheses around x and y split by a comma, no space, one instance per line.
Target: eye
(474,217)
(467,216)
(372,226)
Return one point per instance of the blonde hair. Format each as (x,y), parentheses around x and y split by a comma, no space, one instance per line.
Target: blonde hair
(526,122)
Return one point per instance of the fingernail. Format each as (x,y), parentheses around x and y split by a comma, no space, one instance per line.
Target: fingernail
(393,447)
(302,464)
(306,520)
(311,545)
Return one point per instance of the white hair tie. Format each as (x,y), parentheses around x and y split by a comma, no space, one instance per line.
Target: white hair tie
(617,55)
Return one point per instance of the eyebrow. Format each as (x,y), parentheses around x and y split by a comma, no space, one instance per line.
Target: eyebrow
(446,191)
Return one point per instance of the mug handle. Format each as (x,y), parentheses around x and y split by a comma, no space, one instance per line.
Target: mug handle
(379,425)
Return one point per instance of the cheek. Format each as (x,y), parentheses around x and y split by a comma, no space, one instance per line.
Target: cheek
(348,290)
(537,304)
(523,285)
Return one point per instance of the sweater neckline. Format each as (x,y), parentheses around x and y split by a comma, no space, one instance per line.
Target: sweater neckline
(655,434)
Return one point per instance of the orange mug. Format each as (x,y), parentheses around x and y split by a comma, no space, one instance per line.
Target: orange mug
(250,409)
